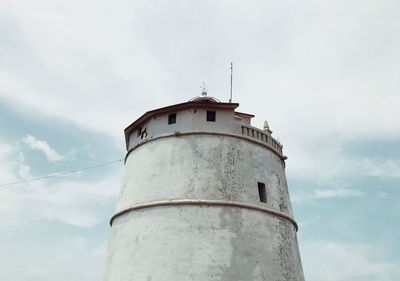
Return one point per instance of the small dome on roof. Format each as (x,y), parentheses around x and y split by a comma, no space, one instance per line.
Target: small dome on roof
(204,99)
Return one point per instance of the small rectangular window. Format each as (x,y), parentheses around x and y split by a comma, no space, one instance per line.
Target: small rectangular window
(262,193)
(172,118)
(211,116)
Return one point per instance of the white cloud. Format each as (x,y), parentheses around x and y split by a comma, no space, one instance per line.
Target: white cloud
(40,145)
(69,201)
(380,168)
(44,205)
(12,169)
(72,258)
(24,171)
(331,74)
(74,202)
(327,192)
(338,192)
(322,60)
(6,166)
(336,261)
(32,212)
(324,159)
(12,165)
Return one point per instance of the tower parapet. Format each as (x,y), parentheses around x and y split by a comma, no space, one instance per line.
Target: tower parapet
(204,197)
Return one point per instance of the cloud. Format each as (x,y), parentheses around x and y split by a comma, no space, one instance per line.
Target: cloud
(75,202)
(6,168)
(24,171)
(73,257)
(72,201)
(380,168)
(320,55)
(324,193)
(337,193)
(35,144)
(63,221)
(326,158)
(12,164)
(338,261)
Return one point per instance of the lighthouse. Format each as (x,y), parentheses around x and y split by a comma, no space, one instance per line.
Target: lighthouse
(204,197)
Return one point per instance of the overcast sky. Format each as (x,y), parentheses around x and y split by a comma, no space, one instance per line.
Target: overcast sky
(74,74)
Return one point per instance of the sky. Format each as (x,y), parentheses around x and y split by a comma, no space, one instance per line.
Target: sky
(74,74)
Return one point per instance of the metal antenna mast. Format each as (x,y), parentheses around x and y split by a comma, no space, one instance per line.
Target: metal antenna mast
(204,89)
(230,99)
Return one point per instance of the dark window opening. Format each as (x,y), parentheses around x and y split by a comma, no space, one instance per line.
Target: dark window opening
(144,133)
(262,193)
(139,131)
(172,118)
(211,116)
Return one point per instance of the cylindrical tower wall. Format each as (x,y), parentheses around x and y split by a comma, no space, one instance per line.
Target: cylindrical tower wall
(189,209)
(203,167)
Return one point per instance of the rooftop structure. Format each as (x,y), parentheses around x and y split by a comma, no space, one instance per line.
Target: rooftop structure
(230,122)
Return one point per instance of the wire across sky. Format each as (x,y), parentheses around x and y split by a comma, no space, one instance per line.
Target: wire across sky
(62,173)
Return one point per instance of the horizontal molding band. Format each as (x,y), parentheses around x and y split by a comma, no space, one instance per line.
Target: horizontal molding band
(178,134)
(218,203)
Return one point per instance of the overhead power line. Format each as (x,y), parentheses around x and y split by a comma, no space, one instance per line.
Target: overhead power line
(62,173)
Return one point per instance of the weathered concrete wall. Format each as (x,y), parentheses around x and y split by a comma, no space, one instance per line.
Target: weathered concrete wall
(203,242)
(193,119)
(203,167)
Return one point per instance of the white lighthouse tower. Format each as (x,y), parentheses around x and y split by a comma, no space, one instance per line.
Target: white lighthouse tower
(204,197)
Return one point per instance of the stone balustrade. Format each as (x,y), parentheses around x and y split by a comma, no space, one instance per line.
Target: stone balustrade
(263,137)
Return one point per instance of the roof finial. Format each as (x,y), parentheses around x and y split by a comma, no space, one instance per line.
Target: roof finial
(204,90)
(266,126)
